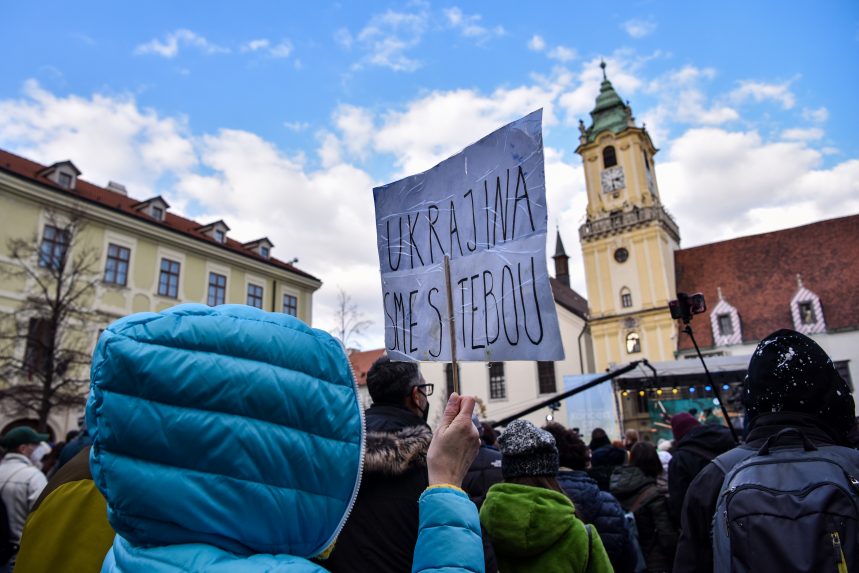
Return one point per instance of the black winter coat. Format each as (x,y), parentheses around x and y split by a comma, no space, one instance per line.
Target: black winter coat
(484,472)
(691,454)
(382,530)
(603,511)
(657,535)
(694,549)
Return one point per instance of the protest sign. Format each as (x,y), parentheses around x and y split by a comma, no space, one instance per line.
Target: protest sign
(485,209)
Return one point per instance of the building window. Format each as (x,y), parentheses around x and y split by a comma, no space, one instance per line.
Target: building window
(157,213)
(609,158)
(448,377)
(726,325)
(497,384)
(55,243)
(633,343)
(116,268)
(65,180)
(217,289)
(38,343)
(290,304)
(264,251)
(625,298)
(168,281)
(806,313)
(646,161)
(546,377)
(254,295)
(220,236)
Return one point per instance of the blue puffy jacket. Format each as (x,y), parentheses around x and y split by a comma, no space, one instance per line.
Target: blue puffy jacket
(231,439)
(601,509)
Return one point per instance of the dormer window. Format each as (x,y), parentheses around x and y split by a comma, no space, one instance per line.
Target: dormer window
(262,247)
(64,174)
(157,213)
(220,236)
(806,311)
(725,323)
(155,207)
(217,231)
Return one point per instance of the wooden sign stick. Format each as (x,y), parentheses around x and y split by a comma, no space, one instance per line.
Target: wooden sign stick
(451,324)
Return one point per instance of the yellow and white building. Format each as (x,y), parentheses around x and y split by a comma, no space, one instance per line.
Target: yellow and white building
(149,258)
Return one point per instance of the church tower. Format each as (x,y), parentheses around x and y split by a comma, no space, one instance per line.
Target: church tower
(628,239)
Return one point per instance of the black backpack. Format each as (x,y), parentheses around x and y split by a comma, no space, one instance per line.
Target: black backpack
(787,509)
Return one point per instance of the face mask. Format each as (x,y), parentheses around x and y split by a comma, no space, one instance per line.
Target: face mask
(425,411)
(40,452)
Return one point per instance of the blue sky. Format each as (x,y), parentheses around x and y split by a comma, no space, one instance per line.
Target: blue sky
(280,117)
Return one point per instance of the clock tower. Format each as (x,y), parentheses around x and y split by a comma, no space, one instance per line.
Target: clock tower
(628,239)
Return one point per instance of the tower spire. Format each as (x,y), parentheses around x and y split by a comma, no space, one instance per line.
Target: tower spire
(602,65)
(562,266)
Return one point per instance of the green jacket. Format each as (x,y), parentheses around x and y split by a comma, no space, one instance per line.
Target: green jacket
(535,529)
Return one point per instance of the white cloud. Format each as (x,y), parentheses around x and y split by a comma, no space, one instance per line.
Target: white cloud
(622,71)
(762,91)
(344,38)
(389,36)
(282,50)
(802,134)
(296,126)
(819,115)
(536,43)
(638,28)
(562,54)
(469,25)
(255,45)
(356,125)
(169,46)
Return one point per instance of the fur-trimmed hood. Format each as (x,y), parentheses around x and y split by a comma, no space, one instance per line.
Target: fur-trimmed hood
(394,453)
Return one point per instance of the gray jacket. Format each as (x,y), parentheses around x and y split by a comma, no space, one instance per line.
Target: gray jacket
(21,483)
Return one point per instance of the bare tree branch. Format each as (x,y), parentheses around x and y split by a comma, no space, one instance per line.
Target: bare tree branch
(350,322)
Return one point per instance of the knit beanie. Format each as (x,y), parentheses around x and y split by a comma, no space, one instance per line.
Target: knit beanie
(789,372)
(681,424)
(527,451)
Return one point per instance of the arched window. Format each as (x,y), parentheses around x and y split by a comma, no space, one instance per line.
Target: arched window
(633,343)
(609,158)
(625,298)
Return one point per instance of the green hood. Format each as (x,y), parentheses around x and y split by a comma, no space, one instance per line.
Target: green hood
(524,521)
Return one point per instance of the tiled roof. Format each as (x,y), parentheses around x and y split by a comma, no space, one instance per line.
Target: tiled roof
(758,276)
(361,362)
(569,299)
(105,197)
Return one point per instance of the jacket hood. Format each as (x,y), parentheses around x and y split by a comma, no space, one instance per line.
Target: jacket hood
(225,426)
(717,439)
(525,521)
(628,480)
(394,453)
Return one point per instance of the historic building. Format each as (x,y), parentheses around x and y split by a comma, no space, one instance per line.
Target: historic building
(802,278)
(145,257)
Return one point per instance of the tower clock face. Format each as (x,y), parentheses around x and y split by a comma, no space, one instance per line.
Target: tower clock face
(612,179)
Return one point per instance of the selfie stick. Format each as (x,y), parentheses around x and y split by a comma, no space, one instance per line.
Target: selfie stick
(688,330)
(451,324)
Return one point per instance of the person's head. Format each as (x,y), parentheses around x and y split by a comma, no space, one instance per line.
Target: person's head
(645,457)
(22,440)
(681,424)
(789,372)
(630,438)
(399,384)
(598,439)
(572,451)
(488,436)
(527,451)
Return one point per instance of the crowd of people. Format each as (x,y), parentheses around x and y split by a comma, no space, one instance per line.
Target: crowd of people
(230,439)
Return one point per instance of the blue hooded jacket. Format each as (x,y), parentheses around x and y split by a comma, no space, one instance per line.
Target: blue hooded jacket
(231,439)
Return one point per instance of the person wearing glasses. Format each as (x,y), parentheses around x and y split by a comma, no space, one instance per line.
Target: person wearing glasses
(381,533)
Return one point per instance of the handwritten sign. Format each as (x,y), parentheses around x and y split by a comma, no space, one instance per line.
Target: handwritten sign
(485,208)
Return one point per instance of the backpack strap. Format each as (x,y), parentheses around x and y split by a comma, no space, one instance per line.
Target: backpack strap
(590,545)
(732,457)
(644,497)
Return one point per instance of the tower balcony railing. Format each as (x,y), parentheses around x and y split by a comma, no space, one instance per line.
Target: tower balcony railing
(624,220)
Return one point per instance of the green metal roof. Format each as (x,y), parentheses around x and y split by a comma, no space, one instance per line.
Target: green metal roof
(609,113)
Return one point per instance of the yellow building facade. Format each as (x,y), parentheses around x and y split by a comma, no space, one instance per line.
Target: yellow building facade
(146,257)
(628,239)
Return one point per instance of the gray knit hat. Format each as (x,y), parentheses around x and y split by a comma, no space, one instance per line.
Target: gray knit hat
(527,451)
